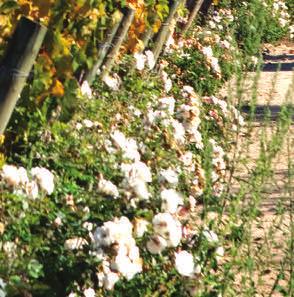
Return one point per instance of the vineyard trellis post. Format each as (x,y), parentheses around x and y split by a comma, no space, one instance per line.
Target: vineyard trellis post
(16,65)
(164,30)
(104,48)
(118,40)
(193,14)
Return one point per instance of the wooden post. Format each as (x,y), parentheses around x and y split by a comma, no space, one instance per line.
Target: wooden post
(17,64)
(147,36)
(193,14)
(164,30)
(205,6)
(149,33)
(103,50)
(118,40)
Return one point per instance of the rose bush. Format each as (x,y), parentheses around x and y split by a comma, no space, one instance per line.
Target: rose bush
(125,197)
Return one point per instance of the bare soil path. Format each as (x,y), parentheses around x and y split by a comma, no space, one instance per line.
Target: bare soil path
(273,229)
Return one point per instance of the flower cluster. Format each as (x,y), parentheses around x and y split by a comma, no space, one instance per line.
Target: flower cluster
(280,11)
(167,233)
(17,178)
(116,247)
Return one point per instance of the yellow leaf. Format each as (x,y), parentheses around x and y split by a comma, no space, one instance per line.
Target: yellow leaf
(43,7)
(2,138)
(116,17)
(139,46)
(156,25)
(57,89)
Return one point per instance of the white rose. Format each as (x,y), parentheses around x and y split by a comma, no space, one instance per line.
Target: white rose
(140,189)
(169,175)
(150,59)
(32,189)
(170,200)
(89,292)
(10,174)
(140,61)
(141,226)
(110,279)
(45,179)
(156,244)
(210,236)
(86,90)
(185,264)
(108,188)
(75,243)
(112,82)
(23,176)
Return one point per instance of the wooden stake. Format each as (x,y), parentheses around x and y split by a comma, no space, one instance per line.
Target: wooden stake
(103,50)
(193,14)
(118,40)
(147,36)
(164,30)
(17,64)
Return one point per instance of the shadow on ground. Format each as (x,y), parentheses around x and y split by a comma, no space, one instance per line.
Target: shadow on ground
(278,63)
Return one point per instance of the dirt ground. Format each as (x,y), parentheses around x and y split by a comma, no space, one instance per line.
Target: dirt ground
(273,227)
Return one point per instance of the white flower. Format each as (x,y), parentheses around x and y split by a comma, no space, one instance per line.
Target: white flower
(119,139)
(137,170)
(89,292)
(219,253)
(185,264)
(214,64)
(86,90)
(10,174)
(131,151)
(23,176)
(118,230)
(187,159)
(79,126)
(169,175)
(212,24)
(150,59)
(165,225)
(110,279)
(210,236)
(87,123)
(58,221)
(196,137)
(175,235)
(127,145)
(75,243)
(9,247)
(225,44)
(192,202)
(126,267)
(188,90)
(167,81)
(170,200)
(88,226)
(179,131)
(207,51)
(140,189)
(108,188)
(140,61)
(156,244)
(45,179)
(112,82)
(32,190)
(140,227)
(167,104)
